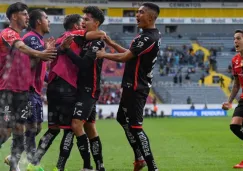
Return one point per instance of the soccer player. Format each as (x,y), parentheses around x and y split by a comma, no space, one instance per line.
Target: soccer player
(15,79)
(237,63)
(39,24)
(137,80)
(61,93)
(88,91)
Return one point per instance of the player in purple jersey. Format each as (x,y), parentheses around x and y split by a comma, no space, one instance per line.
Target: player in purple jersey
(140,59)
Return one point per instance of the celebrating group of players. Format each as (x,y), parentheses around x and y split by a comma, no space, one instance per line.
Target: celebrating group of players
(75,59)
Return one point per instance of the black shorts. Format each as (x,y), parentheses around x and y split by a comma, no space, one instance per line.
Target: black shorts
(85,107)
(131,107)
(239,109)
(13,108)
(61,98)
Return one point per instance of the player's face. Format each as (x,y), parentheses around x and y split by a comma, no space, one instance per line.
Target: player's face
(143,17)
(78,25)
(22,19)
(45,23)
(89,23)
(238,41)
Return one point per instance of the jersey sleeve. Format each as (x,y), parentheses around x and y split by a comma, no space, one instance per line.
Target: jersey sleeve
(79,36)
(33,42)
(141,45)
(9,37)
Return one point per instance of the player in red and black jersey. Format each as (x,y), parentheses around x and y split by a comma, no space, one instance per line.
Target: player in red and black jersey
(15,79)
(88,90)
(62,91)
(140,59)
(237,68)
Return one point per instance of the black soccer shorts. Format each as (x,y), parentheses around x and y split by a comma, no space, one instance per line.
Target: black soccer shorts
(85,107)
(131,107)
(239,109)
(13,108)
(61,98)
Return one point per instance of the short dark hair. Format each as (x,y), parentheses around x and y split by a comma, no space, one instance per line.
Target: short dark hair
(95,12)
(152,6)
(16,7)
(70,20)
(34,16)
(239,31)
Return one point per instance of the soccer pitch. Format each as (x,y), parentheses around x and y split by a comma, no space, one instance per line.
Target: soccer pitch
(178,144)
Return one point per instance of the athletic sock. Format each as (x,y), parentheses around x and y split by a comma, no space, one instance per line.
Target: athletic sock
(84,149)
(96,149)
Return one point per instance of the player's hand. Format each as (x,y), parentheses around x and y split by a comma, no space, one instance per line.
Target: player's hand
(50,43)
(100,53)
(48,54)
(226,106)
(108,40)
(66,42)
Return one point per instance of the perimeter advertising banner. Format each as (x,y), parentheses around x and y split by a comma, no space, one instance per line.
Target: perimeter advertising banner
(198,113)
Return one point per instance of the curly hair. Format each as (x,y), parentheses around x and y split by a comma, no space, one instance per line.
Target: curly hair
(96,13)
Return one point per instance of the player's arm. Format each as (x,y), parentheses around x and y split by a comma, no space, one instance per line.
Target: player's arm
(139,46)
(235,89)
(81,35)
(87,60)
(236,86)
(13,40)
(118,57)
(113,44)
(93,35)
(46,55)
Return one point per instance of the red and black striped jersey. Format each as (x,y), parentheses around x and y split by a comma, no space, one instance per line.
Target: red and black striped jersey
(138,71)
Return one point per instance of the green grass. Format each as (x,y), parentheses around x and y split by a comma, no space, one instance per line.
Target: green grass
(178,144)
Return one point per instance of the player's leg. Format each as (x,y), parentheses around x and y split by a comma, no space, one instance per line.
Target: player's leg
(237,119)
(236,125)
(5,133)
(122,118)
(94,139)
(33,126)
(135,123)
(18,119)
(65,116)
(5,104)
(53,128)
(82,111)
(65,149)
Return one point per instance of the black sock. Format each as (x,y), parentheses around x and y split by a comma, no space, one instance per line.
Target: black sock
(16,150)
(30,145)
(96,149)
(83,146)
(44,144)
(143,142)
(65,148)
(132,141)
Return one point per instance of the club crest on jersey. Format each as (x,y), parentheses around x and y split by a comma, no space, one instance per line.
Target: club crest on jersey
(140,44)
(95,49)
